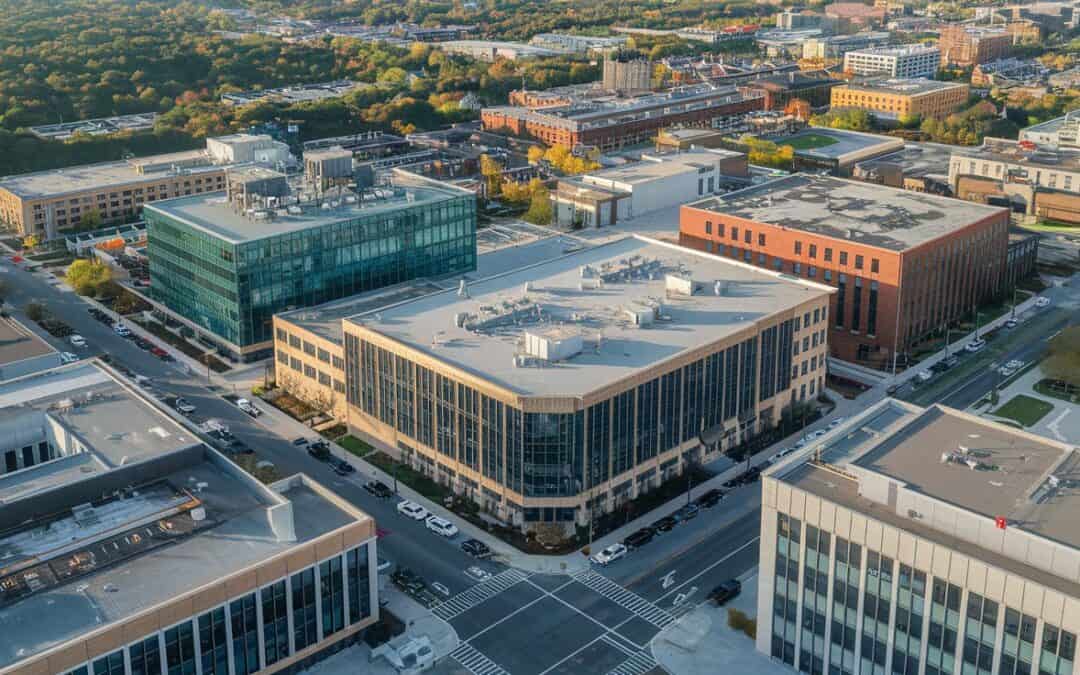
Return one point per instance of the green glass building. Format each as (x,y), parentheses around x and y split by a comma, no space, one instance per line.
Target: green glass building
(225,271)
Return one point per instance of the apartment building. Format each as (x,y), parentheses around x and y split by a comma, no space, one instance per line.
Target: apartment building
(903,263)
(921,541)
(966,45)
(898,98)
(906,62)
(131,548)
(46,203)
(1018,175)
(812,86)
(552,391)
(225,266)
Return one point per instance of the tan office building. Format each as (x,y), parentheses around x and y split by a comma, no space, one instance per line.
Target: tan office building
(893,99)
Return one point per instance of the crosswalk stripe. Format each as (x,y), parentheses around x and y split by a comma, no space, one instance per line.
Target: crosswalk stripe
(475,662)
(625,598)
(637,664)
(467,599)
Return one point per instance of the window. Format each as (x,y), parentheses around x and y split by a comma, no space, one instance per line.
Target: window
(856,305)
(145,656)
(760,239)
(858,262)
(303,608)
(778,264)
(843,257)
(748,236)
(333,596)
(708,227)
(875,265)
(719,229)
(796,268)
(813,250)
(734,233)
(275,616)
(113,664)
(324,355)
(798,248)
(871,312)
(828,254)
(356,568)
(213,646)
(245,634)
(180,649)
(811,271)
(841,286)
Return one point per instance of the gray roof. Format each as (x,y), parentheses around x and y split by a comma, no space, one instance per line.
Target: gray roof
(1006,150)
(102,176)
(917,159)
(669,165)
(752,296)
(847,146)
(905,86)
(18,344)
(869,214)
(212,213)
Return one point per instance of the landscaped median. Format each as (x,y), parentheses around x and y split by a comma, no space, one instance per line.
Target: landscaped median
(1026,410)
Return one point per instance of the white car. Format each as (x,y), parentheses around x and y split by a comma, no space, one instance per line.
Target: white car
(780,455)
(1006,371)
(975,345)
(77,340)
(1016,364)
(836,422)
(441,526)
(247,407)
(609,554)
(925,376)
(1011,323)
(1042,301)
(183,406)
(68,357)
(121,330)
(412,510)
(816,434)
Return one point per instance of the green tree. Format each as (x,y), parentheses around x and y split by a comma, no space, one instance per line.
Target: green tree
(35,311)
(86,276)
(540,211)
(90,220)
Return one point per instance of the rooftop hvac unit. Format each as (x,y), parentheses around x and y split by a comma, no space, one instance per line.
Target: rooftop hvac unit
(553,345)
(680,285)
(198,514)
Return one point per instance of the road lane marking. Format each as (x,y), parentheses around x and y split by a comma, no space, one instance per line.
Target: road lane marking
(707,569)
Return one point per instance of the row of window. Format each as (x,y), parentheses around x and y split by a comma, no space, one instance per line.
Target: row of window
(901,609)
(207,643)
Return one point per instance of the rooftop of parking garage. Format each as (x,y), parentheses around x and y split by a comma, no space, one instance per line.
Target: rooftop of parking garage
(591,294)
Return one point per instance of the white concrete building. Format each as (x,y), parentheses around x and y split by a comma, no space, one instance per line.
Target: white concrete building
(247,148)
(1060,132)
(656,182)
(918,541)
(902,62)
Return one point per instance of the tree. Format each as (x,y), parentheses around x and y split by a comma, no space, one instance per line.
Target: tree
(86,276)
(35,311)
(540,211)
(30,241)
(491,170)
(90,220)
(536,153)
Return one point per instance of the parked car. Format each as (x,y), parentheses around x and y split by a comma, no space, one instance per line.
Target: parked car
(412,510)
(975,345)
(68,357)
(837,422)
(476,548)
(725,591)
(1042,301)
(319,451)
(77,340)
(665,524)
(183,406)
(925,376)
(1011,323)
(780,454)
(892,389)
(379,489)
(160,353)
(688,512)
(639,538)
(300,441)
(142,344)
(343,468)
(441,526)
(407,580)
(121,330)
(609,555)
(248,407)
(239,447)
(709,498)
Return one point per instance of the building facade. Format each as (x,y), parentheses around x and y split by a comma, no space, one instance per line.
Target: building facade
(228,271)
(1044,183)
(895,99)
(899,276)
(627,71)
(963,45)
(542,411)
(624,121)
(898,62)
(814,87)
(866,569)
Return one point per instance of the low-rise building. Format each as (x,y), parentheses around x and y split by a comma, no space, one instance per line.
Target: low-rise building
(605,197)
(582,44)
(101,126)
(132,547)
(46,203)
(615,121)
(1023,256)
(490,50)
(903,263)
(908,61)
(922,541)
(1060,132)
(919,167)
(1009,72)
(853,16)
(967,45)
(559,390)
(837,151)
(1021,177)
(22,352)
(297,93)
(895,99)
(225,264)
(813,86)
(835,46)
(795,19)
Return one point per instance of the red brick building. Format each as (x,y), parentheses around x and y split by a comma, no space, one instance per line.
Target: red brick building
(904,263)
(962,45)
(617,121)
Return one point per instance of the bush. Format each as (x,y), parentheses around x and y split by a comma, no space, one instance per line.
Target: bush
(35,311)
(738,620)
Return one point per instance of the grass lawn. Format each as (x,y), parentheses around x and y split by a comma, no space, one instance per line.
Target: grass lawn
(354,445)
(1053,226)
(810,141)
(1024,409)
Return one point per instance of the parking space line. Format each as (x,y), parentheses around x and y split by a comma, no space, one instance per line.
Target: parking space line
(475,662)
(466,600)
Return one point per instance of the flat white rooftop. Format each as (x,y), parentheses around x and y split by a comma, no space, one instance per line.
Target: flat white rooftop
(662,167)
(558,296)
